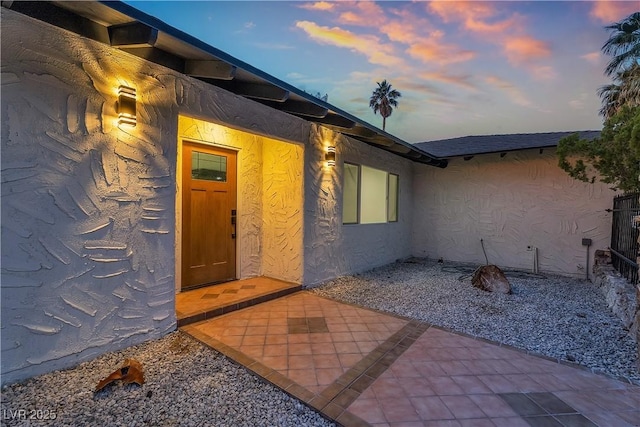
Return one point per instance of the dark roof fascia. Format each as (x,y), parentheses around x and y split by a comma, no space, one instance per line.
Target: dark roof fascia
(471,152)
(419,154)
(512,150)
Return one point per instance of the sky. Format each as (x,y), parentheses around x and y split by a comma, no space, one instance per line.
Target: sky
(462,67)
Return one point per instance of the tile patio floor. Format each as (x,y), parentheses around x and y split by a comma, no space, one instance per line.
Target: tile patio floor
(361,367)
(211,301)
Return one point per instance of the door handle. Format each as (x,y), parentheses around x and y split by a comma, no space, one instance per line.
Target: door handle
(233,223)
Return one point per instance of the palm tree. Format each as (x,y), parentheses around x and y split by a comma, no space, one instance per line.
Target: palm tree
(383,99)
(623,44)
(624,47)
(625,90)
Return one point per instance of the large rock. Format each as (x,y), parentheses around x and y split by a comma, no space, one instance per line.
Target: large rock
(491,278)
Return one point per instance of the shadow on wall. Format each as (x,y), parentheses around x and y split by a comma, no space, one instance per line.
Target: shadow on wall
(87,207)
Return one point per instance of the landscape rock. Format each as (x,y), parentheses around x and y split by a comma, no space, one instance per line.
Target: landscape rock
(490,278)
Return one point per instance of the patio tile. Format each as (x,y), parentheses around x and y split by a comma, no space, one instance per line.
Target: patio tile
(462,407)
(442,423)
(369,410)
(416,387)
(454,367)
(493,406)
(478,422)
(445,386)
(470,384)
(610,419)
(574,420)
(399,410)
(510,422)
(326,361)
(431,408)
(380,370)
(522,405)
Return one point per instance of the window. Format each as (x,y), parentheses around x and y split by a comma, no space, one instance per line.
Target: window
(369,195)
(350,194)
(208,167)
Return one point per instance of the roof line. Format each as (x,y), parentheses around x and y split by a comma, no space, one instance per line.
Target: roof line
(147,19)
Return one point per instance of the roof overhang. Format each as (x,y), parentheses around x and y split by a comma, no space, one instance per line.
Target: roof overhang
(124,27)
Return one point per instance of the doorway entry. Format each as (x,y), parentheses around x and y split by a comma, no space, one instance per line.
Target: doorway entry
(209,215)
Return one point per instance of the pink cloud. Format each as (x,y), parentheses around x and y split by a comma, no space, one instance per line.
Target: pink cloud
(525,49)
(474,16)
(431,51)
(320,5)
(593,57)
(364,13)
(368,45)
(609,12)
(492,21)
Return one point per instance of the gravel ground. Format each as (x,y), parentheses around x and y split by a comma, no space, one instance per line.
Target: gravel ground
(559,317)
(186,384)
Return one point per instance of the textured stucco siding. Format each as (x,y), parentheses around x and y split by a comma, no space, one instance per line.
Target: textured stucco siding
(523,199)
(88,209)
(331,248)
(282,218)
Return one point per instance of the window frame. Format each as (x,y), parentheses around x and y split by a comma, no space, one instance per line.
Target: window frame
(397,198)
(358,194)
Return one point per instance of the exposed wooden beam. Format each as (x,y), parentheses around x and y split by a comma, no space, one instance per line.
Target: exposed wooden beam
(334,120)
(158,56)
(381,140)
(360,132)
(399,148)
(299,108)
(133,34)
(211,69)
(62,18)
(261,91)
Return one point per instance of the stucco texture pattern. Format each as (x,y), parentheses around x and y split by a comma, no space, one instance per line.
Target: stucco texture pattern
(512,202)
(333,249)
(87,208)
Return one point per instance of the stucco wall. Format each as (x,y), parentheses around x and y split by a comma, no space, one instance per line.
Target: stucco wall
(282,213)
(331,248)
(88,209)
(520,200)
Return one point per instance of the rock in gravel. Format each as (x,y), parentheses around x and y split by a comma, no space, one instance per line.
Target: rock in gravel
(491,279)
(554,316)
(186,384)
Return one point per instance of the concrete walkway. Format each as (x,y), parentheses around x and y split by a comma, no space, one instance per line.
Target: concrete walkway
(362,367)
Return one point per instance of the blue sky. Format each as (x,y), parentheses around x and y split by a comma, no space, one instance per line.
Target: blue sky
(463,67)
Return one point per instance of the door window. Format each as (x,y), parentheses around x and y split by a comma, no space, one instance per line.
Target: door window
(208,167)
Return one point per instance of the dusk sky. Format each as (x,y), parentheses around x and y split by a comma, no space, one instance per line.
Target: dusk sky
(463,68)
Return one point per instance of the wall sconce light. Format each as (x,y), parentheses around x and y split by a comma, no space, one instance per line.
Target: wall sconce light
(330,155)
(126,106)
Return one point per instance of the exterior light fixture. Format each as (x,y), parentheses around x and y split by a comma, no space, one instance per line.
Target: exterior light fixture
(126,106)
(330,155)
